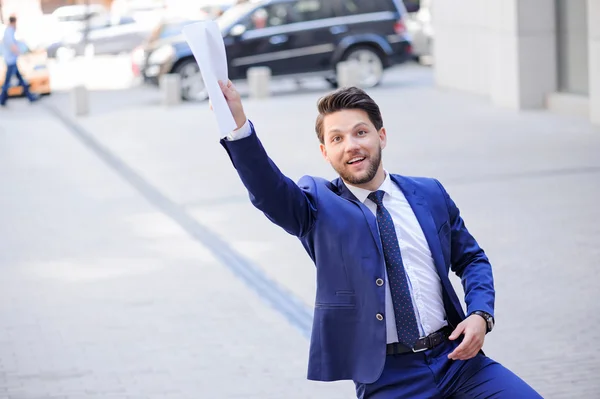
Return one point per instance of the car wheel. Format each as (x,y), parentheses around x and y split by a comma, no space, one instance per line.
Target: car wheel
(192,84)
(370,64)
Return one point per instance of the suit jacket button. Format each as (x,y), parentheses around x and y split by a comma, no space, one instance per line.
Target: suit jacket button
(379,282)
(379,316)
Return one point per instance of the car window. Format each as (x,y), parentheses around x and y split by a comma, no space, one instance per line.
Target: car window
(351,7)
(125,20)
(269,16)
(233,15)
(279,14)
(172,29)
(288,12)
(311,10)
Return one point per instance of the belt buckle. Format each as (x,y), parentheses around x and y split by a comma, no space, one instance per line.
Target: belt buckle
(419,350)
(426,345)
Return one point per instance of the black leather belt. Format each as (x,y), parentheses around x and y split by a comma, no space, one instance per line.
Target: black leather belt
(422,344)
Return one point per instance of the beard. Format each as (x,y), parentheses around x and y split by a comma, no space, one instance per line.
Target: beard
(361,177)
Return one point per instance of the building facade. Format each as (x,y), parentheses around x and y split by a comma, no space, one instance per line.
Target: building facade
(34,8)
(522,54)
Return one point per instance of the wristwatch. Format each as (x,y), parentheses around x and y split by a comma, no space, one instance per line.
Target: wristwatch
(489,319)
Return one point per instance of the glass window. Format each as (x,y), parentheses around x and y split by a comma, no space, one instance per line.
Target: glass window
(311,10)
(351,7)
(278,14)
(269,16)
(233,15)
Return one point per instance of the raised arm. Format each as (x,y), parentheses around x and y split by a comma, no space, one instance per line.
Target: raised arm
(285,203)
(470,263)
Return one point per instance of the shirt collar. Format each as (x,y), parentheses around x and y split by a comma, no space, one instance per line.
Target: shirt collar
(361,194)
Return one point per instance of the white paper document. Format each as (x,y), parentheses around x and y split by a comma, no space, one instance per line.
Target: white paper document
(206,42)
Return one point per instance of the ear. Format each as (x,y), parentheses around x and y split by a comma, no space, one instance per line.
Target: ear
(382,137)
(324,152)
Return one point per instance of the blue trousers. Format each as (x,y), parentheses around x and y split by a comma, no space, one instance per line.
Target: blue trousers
(10,71)
(431,375)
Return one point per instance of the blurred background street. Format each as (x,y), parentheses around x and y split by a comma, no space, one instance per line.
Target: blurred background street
(132,264)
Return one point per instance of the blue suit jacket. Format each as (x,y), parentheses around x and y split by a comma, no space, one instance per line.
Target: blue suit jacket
(340,235)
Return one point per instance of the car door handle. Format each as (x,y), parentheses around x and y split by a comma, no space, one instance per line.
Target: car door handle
(336,30)
(278,39)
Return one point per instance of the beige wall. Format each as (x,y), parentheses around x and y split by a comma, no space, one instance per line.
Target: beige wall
(594,59)
(572,43)
(506,50)
(20,8)
(503,49)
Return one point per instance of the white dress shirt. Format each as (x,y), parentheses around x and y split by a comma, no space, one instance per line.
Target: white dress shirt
(424,281)
(240,133)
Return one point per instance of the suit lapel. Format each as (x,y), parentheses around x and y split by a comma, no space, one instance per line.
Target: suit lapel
(371,219)
(419,206)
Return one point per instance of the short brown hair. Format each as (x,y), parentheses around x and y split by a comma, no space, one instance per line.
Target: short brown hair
(12,19)
(347,98)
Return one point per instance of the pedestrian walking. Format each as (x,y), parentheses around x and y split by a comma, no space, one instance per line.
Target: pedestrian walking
(11,56)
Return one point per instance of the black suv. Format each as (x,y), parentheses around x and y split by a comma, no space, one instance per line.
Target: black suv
(293,37)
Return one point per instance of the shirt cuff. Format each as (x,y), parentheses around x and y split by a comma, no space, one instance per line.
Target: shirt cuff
(240,133)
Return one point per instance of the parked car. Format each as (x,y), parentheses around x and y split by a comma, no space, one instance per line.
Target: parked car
(33,66)
(421,31)
(292,38)
(121,35)
(73,19)
(149,59)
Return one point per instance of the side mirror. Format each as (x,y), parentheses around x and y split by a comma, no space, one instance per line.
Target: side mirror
(412,5)
(237,30)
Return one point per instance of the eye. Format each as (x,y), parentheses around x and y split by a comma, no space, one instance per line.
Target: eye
(336,139)
(362,132)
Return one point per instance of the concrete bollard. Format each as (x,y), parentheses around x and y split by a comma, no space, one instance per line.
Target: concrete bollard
(170,85)
(348,73)
(89,51)
(259,82)
(80,100)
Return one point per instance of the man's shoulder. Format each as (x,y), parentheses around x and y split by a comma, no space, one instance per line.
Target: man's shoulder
(313,181)
(425,186)
(417,181)
(9,34)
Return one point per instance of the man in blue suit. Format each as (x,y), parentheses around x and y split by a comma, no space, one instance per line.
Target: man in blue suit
(386,315)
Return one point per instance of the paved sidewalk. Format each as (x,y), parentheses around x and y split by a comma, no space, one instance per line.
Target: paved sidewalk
(527,183)
(104,296)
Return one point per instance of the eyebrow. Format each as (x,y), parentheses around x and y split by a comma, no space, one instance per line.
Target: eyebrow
(354,127)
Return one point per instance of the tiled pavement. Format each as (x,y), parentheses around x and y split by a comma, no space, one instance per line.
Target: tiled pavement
(107,291)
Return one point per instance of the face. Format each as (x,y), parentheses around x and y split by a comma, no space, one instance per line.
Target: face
(353,146)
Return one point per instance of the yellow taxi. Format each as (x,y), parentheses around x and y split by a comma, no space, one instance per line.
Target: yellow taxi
(33,65)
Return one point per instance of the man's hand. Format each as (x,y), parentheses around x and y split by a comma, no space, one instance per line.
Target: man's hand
(234,101)
(474,328)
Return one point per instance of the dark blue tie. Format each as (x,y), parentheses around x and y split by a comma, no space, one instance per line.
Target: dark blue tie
(406,322)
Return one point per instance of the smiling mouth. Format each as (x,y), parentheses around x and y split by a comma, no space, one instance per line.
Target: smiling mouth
(356,160)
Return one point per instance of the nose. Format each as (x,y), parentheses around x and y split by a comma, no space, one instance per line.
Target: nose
(352,144)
